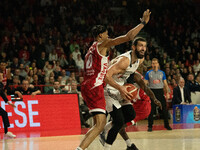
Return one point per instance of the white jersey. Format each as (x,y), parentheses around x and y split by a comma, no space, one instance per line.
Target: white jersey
(121,78)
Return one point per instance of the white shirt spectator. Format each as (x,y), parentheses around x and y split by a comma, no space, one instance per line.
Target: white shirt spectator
(76,53)
(196,67)
(53,56)
(79,62)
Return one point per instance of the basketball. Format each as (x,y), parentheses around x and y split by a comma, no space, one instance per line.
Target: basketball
(132,89)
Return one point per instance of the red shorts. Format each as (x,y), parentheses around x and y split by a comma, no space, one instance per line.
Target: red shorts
(142,109)
(94,98)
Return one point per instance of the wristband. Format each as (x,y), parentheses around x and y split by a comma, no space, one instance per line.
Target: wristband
(143,22)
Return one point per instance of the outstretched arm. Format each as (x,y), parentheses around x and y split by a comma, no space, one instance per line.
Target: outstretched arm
(130,34)
(147,90)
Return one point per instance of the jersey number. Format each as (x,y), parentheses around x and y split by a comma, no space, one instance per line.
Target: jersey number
(89,62)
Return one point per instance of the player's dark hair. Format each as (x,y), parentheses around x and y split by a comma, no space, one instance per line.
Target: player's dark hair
(135,41)
(98,29)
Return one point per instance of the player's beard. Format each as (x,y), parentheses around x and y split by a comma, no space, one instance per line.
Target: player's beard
(138,54)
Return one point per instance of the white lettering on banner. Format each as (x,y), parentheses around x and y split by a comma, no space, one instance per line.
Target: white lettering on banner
(25,119)
(24,123)
(32,113)
(9,113)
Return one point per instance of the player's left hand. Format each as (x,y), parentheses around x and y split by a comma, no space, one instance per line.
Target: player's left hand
(158,103)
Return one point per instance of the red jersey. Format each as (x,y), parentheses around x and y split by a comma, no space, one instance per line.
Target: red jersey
(95,67)
(4,81)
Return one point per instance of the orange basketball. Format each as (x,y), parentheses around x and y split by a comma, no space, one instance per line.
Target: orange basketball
(132,89)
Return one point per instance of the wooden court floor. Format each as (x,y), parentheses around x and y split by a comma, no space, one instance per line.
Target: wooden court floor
(178,139)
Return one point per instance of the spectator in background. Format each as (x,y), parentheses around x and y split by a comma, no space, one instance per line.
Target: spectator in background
(57,72)
(80,80)
(73,46)
(36,82)
(27,69)
(191,84)
(196,67)
(185,73)
(147,62)
(164,60)
(53,56)
(198,79)
(79,62)
(48,68)
(48,86)
(30,75)
(66,48)
(13,48)
(190,70)
(24,55)
(4,57)
(75,53)
(15,64)
(22,73)
(190,61)
(41,61)
(56,89)
(71,62)
(26,90)
(64,77)
(181,94)
(49,47)
(40,46)
(17,73)
(156,53)
(33,53)
(40,76)
(13,85)
(63,61)
(58,48)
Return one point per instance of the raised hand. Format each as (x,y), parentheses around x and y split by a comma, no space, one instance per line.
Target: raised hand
(146,16)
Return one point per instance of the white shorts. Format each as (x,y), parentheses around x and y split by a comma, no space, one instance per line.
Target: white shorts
(113,100)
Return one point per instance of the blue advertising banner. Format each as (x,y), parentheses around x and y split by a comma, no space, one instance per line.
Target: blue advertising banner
(186,114)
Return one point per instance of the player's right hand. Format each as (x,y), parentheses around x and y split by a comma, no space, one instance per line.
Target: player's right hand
(146,16)
(125,94)
(158,103)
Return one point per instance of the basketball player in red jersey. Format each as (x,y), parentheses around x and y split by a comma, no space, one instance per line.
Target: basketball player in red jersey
(142,105)
(95,67)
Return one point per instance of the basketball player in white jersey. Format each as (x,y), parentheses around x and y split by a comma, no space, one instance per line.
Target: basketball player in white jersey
(95,68)
(117,74)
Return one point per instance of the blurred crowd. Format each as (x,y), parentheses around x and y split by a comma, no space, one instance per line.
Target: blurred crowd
(43,41)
